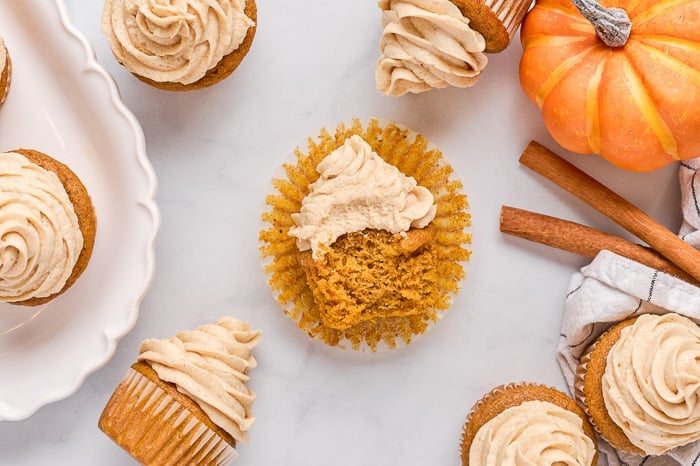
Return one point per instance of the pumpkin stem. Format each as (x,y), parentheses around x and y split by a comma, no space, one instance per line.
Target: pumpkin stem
(612,25)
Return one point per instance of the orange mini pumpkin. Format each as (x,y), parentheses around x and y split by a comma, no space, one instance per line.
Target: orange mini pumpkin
(636,105)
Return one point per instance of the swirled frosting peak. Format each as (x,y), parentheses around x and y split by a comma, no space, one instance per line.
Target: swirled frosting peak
(651,384)
(174,40)
(427,44)
(357,190)
(40,238)
(210,365)
(533,433)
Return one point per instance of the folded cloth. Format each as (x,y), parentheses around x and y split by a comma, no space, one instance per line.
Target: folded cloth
(612,288)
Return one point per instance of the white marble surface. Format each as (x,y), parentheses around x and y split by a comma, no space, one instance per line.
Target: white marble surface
(214,151)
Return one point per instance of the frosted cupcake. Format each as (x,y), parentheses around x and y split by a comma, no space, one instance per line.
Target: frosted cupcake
(527,423)
(429,44)
(640,384)
(47,227)
(366,239)
(183,45)
(5,72)
(186,401)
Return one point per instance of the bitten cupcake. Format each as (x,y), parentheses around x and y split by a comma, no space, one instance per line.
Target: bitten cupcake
(5,72)
(527,423)
(186,401)
(428,44)
(640,384)
(180,46)
(47,227)
(366,239)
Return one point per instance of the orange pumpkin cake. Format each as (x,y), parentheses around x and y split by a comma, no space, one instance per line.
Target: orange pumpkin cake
(367,236)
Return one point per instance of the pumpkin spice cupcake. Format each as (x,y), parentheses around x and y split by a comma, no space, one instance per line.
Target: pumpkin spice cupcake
(366,236)
(5,72)
(428,44)
(640,384)
(180,46)
(47,227)
(186,401)
(527,421)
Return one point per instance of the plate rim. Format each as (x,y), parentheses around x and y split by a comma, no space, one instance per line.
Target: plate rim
(112,336)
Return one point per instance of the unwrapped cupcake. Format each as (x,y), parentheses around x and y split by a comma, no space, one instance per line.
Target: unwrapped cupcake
(366,236)
(428,44)
(186,401)
(527,423)
(5,72)
(180,46)
(47,227)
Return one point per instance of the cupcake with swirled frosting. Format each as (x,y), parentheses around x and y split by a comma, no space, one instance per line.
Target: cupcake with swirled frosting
(427,44)
(47,227)
(525,424)
(180,45)
(640,384)
(5,72)
(186,399)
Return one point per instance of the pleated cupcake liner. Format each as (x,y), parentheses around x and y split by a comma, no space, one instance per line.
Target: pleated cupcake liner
(413,156)
(156,429)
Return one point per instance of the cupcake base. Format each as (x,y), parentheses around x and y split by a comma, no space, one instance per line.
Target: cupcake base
(223,69)
(507,396)
(588,387)
(5,78)
(158,425)
(84,210)
(496,20)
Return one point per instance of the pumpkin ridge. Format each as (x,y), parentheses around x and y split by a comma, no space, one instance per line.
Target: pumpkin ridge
(661,42)
(593,108)
(674,64)
(647,108)
(559,72)
(656,10)
(543,40)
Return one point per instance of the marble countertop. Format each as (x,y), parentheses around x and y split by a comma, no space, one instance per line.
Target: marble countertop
(214,152)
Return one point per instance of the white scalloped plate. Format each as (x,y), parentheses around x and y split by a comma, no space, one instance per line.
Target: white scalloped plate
(63,103)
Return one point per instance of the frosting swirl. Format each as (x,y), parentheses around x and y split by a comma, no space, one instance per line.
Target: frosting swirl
(174,40)
(210,365)
(651,384)
(427,44)
(532,433)
(357,190)
(40,238)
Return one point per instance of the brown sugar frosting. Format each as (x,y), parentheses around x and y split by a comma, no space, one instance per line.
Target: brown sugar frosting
(358,314)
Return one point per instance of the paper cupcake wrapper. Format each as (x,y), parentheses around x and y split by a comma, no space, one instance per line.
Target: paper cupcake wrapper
(413,156)
(510,13)
(156,429)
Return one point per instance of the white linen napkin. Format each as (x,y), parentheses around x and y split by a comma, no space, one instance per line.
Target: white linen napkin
(612,288)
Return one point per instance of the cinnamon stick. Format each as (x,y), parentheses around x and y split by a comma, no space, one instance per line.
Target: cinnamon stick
(582,240)
(545,162)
